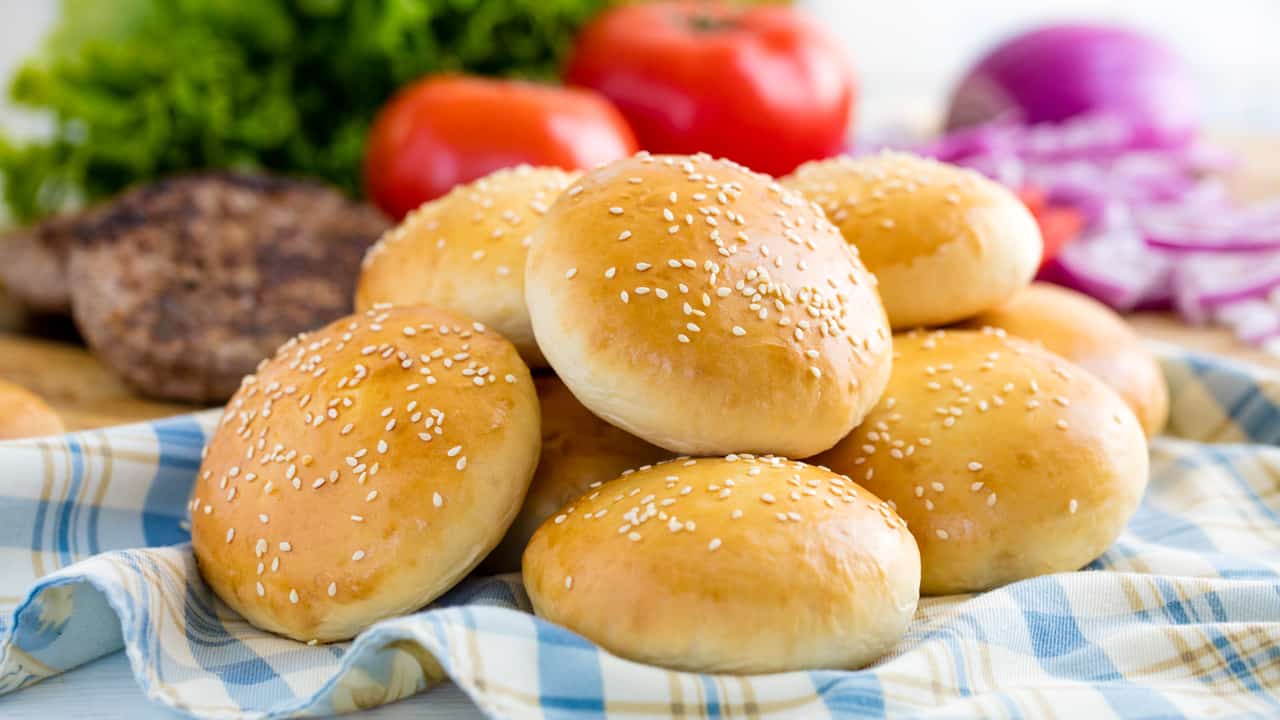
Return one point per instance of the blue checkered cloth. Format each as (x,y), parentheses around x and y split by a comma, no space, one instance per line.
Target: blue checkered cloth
(1180,618)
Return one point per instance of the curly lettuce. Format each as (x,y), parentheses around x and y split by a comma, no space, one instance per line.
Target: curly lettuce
(141,88)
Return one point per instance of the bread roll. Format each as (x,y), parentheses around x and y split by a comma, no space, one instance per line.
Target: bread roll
(733,565)
(1005,460)
(466,251)
(704,308)
(1093,336)
(23,414)
(945,243)
(578,450)
(363,471)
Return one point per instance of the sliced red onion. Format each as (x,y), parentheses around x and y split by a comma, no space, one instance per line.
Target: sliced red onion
(1160,231)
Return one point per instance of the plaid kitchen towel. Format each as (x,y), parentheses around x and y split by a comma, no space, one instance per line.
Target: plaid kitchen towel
(1180,618)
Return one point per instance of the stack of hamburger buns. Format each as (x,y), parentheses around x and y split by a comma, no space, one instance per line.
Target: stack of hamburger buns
(788,405)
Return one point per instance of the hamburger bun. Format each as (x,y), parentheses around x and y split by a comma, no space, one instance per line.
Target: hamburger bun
(363,471)
(23,414)
(733,565)
(946,243)
(579,450)
(466,251)
(1093,336)
(1005,460)
(706,309)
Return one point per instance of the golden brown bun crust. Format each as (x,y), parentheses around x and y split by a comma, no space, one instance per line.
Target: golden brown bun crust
(706,309)
(945,243)
(24,414)
(1093,336)
(314,518)
(1005,460)
(466,252)
(578,450)
(702,565)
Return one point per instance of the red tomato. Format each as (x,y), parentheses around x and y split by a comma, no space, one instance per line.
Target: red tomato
(452,129)
(1059,224)
(764,86)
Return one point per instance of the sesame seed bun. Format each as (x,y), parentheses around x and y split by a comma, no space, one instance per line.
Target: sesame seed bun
(466,252)
(1005,460)
(945,242)
(706,309)
(24,414)
(363,471)
(579,450)
(738,565)
(1093,336)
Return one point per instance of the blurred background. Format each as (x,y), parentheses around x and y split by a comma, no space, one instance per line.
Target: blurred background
(909,52)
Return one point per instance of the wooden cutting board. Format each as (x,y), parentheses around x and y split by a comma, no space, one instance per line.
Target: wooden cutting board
(46,357)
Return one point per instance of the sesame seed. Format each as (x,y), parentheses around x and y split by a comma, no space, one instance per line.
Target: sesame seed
(768,498)
(739,331)
(1073,506)
(570,273)
(437,499)
(633,536)
(333,589)
(293,596)
(285,547)
(615,210)
(736,514)
(262,591)
(942,534)
(561,518)
(1062,424)
(714,544)
(568,582)
(231,534)
(624,235)
(357,518)
(462,462)
(263,518)
(357,555)
(975,466)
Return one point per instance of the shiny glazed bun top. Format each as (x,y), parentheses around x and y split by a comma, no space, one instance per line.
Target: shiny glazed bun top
(1093,336)
(945,242)
(363,471)
(739,564)
(706,309)
(1005,460)
(466,252)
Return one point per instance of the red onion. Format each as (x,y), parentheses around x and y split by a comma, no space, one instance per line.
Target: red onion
(1160,231)
(1060,72)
